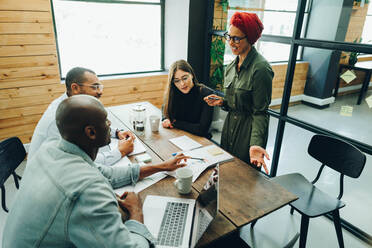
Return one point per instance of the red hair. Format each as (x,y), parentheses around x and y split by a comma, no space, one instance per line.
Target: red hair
(249,24)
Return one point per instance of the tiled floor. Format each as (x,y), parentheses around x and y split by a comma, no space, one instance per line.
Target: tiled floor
(278,228)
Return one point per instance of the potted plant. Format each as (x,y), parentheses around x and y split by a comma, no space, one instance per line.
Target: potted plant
(353,56)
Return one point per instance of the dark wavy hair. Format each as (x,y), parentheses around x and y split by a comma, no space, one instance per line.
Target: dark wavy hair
(169,90)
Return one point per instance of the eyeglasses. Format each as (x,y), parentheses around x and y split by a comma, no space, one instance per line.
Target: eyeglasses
(94,86)
(235,39)
(183,79)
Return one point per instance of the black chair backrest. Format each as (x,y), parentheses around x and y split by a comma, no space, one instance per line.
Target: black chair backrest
(337,154)
(12,153)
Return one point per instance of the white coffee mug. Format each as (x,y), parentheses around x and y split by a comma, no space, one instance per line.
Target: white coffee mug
(184,180)
(154,122)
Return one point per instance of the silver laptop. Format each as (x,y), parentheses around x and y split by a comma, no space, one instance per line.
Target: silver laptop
(178,222)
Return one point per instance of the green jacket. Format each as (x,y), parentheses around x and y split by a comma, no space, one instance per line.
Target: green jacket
(247,97)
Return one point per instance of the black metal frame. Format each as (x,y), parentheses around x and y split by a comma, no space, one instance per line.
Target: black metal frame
(282,116)
(296,41)
(162,10)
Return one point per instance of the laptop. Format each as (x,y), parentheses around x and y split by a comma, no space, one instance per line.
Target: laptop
(178,222)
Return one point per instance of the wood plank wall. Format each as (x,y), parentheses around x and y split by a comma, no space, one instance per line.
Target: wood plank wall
(30,79)
(29,75)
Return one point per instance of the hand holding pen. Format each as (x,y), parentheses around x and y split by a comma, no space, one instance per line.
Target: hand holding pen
(213,100)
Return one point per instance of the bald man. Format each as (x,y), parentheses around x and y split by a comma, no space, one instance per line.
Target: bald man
(64,201)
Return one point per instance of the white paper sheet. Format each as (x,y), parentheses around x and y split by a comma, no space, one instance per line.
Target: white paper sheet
(185,143)
(141,184)
(138,146)
(211,154)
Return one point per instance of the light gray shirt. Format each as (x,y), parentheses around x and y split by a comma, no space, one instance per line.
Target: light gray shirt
(47,128)
(64,201)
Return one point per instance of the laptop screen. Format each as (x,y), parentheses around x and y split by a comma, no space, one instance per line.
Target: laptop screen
(206,207)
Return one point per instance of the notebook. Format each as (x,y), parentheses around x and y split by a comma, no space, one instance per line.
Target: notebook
(178,222)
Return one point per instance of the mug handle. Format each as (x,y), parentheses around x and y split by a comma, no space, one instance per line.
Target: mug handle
(176,183)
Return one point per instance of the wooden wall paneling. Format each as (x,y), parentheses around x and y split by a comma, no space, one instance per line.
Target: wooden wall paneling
(27,50)
(122,99)
(25,16)
(29,28)
(27,72)
(30,82)
(26,101)
(25,111)
(51,90)
(26,39)
(24,120)
(36,5)
(34,61)
(17,130)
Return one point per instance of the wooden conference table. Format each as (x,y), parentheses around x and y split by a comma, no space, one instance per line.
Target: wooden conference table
(245,194)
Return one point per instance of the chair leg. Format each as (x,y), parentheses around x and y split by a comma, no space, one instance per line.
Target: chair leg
(253,223)
(16,178)
(303,231)
(292,210)
(337,222)
(3,199)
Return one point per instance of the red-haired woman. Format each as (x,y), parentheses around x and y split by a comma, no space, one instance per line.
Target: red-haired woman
(247,88)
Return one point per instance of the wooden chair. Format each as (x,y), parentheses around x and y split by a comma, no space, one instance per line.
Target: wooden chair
(12,153)
(336,154)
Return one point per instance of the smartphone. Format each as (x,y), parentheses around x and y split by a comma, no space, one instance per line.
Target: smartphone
(213,98)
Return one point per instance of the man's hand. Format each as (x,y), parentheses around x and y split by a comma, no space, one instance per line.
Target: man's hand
(167,123)
(213,100)
(125,135)
(174,163)
(123,211)
(131,202)
(257,155)
(126,146)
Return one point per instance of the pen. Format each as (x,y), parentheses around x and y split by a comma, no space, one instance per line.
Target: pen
(213,98)
(201,159)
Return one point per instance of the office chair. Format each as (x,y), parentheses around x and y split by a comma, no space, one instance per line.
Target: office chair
(336,154)
(12,153)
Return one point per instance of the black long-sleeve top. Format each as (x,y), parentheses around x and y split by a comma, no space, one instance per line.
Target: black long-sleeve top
(191,112)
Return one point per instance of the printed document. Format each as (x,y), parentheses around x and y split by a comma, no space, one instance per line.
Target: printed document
(138,146)
(185,143)
(211,155)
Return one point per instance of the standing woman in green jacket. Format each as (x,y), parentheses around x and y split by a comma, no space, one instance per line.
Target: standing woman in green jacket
(247,89)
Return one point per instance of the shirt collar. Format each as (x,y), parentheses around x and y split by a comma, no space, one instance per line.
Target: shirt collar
(249,59)
(69,147)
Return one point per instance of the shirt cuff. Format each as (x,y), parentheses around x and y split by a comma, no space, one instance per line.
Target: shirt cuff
(139,228)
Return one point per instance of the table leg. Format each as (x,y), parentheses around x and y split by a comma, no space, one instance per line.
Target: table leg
(364,87)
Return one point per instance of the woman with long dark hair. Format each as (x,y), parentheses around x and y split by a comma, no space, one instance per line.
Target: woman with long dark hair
(184,107)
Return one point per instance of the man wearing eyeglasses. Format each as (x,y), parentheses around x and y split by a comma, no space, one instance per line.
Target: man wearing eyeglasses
(80,81)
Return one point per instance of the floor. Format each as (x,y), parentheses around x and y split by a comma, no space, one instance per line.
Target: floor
(276,229)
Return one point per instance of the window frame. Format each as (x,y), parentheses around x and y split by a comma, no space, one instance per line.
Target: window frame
(161,3)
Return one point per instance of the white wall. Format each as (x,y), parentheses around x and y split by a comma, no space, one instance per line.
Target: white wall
(176,30)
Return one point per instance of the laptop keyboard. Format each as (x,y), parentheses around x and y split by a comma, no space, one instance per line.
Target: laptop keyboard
(173,224)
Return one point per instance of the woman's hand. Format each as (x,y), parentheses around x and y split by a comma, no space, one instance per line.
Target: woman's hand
(257,154)
(213,100)
(167,123)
